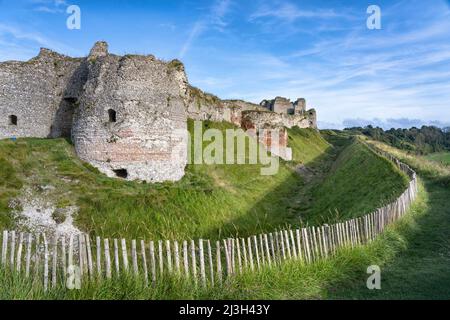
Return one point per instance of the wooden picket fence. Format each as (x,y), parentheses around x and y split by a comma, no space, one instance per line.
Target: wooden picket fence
(203,262)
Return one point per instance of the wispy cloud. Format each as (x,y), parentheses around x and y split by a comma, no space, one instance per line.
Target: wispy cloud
(290,12)
(49,6)
(214,18)
(196,30)
(401,70)
(21,43)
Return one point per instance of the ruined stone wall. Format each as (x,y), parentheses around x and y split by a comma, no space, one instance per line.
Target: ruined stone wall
(34,92)
(267,119)
(131,119)
(205,106)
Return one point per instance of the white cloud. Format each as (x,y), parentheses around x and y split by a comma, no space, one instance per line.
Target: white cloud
(17,43)
(214,18)
(290,12)
(49,6)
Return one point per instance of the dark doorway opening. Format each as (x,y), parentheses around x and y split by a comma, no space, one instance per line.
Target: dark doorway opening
(112,115)
(121,173)
(13,120)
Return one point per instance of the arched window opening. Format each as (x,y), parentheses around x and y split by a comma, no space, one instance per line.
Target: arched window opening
(13,120)
(112,115)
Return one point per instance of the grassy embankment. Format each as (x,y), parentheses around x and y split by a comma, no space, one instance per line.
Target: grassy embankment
(417,259)
(262,203)
(211,201)
(440,157)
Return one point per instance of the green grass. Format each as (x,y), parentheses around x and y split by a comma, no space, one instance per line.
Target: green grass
(413,253)
(358,181)
(341,277)
(211,201)
(418,267)
(440,157)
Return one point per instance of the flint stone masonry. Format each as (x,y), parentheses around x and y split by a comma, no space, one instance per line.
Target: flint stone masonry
(146,140)
(267,119)
(204,106)
(36,92)
(127,115)
(57,96)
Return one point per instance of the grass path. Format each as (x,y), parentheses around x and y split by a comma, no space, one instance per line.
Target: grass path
(421,270)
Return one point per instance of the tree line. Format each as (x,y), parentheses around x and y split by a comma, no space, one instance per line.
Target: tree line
(424,140)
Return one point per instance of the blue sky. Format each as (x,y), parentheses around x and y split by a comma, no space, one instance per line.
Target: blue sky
(320,50)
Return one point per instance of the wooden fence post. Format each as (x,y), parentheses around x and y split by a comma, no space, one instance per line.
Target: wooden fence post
(272,248)
(211,265)
(134,257)
(202,262)
(54,260)
(287,244)
(99,256)
(124,255)
(160,258)
(194,262)
(89,256)
(244,250)
(227,257)
(261,247)
(107,259)
(144,262)
(19,253)
(219,262)
(283,251)
(80,254)
(255,242)
(45,263)
(169,256)
(116,257)
(238,249)
(28,255)
(177,257)
(70,257)
(186,259)
(4,247)
(13,249)
(152,261)
(299,248)
(250,254)
(266,242)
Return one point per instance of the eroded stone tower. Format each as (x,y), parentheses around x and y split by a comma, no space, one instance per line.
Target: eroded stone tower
(131,120)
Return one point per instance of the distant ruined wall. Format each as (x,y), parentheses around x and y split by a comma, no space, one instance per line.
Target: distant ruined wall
(267,119)
(131,120)
(204,106)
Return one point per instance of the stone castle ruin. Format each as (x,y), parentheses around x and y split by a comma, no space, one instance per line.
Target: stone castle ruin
(126,115)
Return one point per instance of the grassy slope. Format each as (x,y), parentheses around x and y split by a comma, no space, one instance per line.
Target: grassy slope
(358,181)
(27,158)
(418,267)
(441,157)
(343,276)
(210,201)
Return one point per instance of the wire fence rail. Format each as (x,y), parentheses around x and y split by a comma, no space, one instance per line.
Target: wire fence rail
(204,262)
